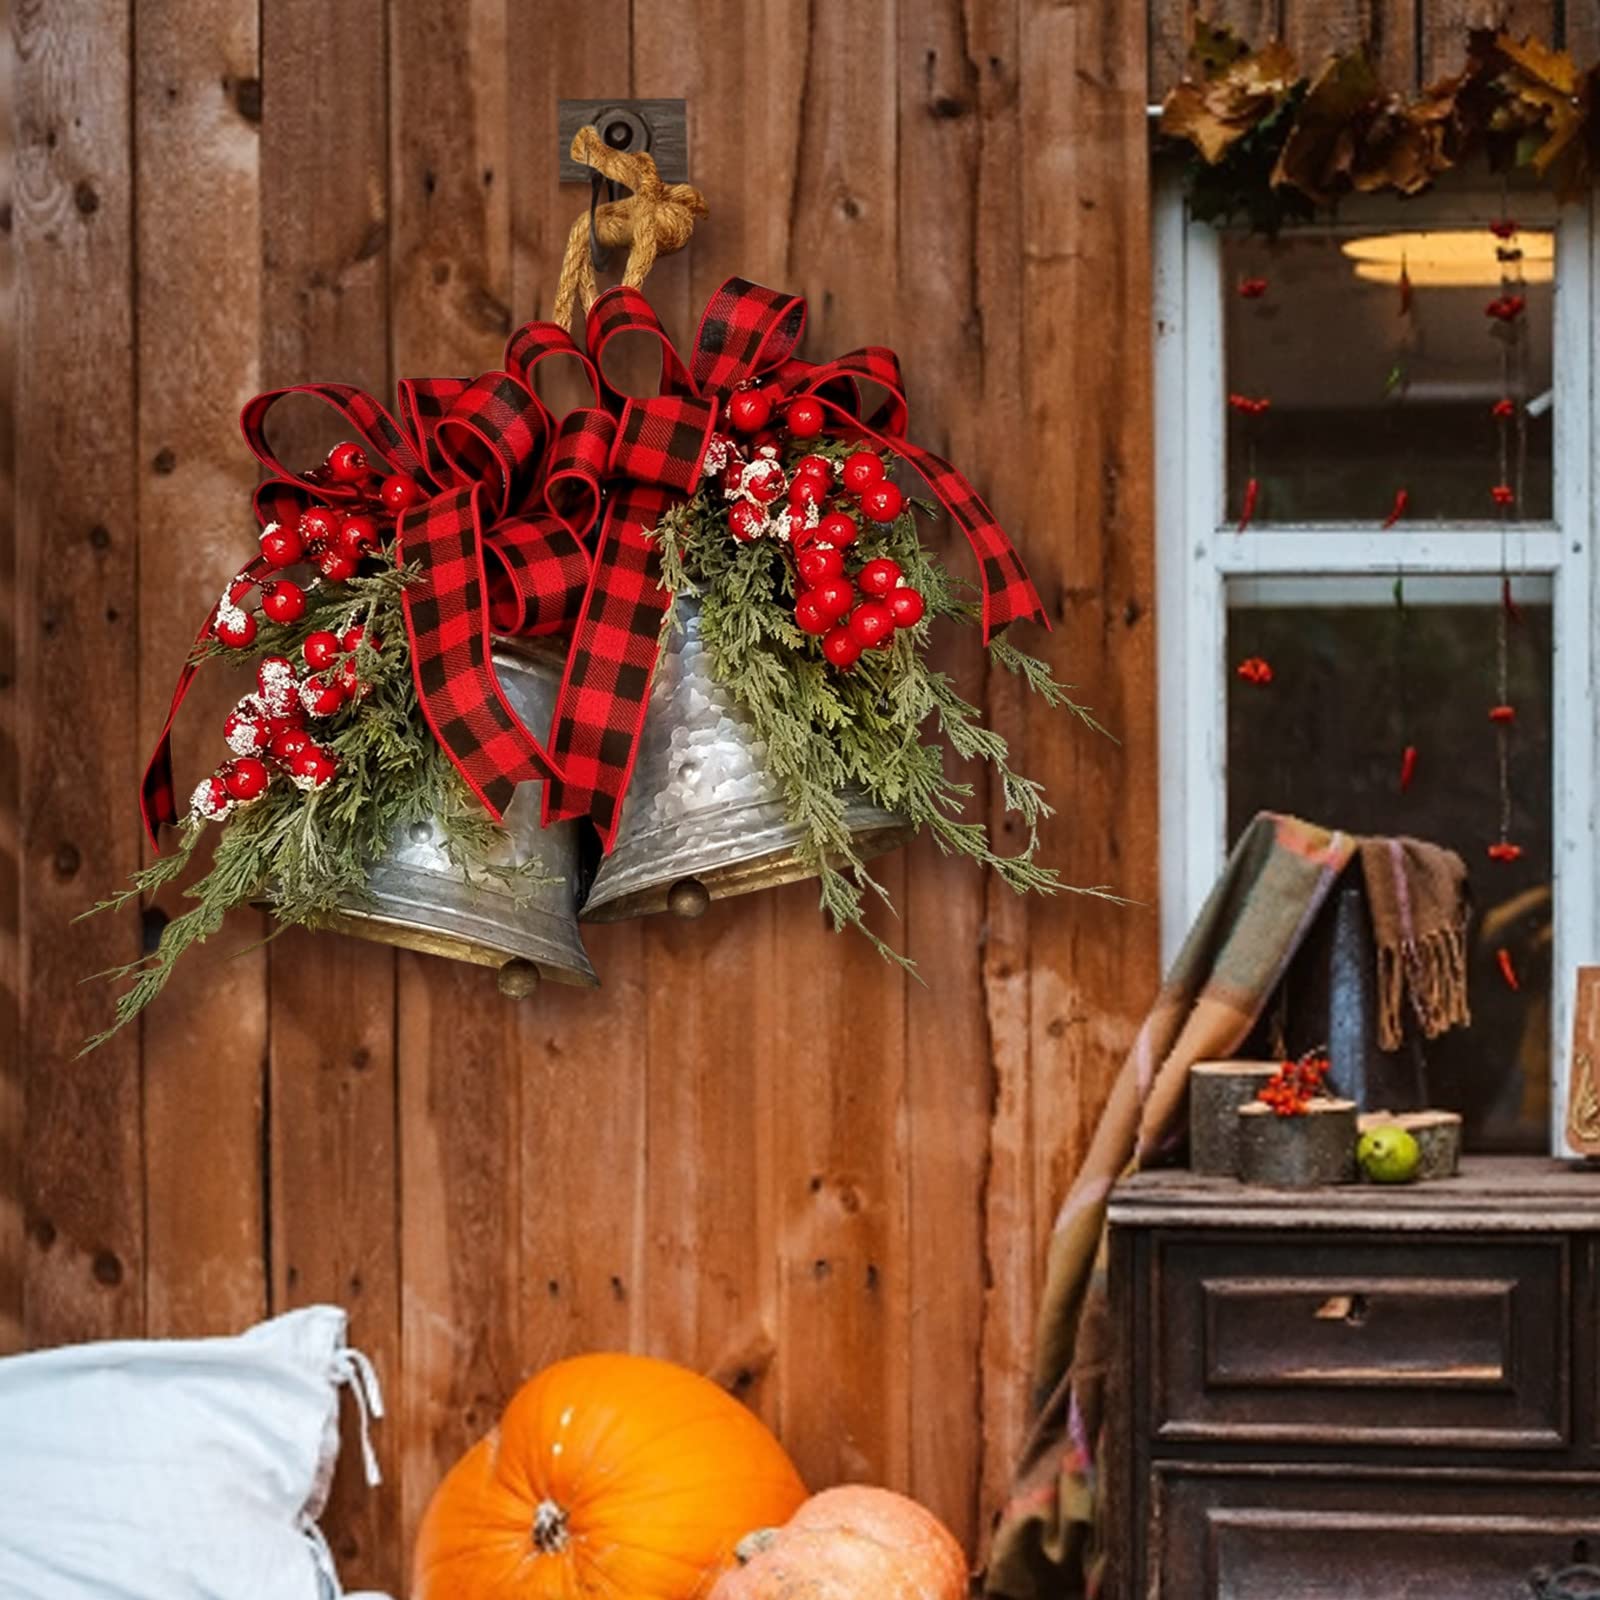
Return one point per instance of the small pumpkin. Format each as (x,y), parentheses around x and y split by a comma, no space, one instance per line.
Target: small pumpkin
(608,1476)
(847,1543)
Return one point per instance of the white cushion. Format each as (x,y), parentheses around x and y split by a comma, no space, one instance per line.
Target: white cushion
(176,1469)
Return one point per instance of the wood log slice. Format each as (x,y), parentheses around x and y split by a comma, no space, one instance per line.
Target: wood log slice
(1438,1136)
(1216,1091)
(1298,1152)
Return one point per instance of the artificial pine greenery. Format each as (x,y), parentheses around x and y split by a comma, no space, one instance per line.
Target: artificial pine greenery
(305,856)
(880,726)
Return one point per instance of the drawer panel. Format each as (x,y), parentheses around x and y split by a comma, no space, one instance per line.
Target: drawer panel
(1365,1537)
(1405,1342)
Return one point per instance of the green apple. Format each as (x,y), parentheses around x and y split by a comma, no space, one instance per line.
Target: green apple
(1388,1155)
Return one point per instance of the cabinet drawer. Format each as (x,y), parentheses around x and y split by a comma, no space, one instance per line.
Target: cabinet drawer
(1243,1536)
(1409,1342)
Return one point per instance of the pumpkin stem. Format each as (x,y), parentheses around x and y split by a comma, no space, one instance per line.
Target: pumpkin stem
(752,1545)
(550,1535)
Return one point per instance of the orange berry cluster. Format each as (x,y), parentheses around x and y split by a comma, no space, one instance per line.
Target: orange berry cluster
(1292,1088)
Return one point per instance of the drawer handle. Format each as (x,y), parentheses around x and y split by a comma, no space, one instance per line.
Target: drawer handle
(1581,1582)
(1351,1308)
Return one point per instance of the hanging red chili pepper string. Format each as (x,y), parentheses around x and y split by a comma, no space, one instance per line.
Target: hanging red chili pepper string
(1507,311)
(1250,409)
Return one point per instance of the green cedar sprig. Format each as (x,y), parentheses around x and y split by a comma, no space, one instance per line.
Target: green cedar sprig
(883,727)
(306,856)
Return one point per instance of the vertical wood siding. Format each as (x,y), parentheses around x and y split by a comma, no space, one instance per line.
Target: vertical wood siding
(757,1149)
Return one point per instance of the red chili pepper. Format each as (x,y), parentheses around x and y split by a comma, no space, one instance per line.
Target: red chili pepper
(1507,971)
(1504,850)
(1402,499)
(1408,767)
(1506,307)
(1503,494)
(1502,713)
(1252,288)
(1505,408)
(1509,601)
(1250,406)
(1503,227)
(1252,492)
(1255,669)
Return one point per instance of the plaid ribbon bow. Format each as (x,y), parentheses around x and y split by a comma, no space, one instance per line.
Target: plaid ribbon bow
(510,496)
(748,334)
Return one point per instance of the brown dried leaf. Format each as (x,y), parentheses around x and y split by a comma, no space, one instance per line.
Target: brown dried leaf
(1320,152)
(1546,92)
(1213,48)
(1213,115)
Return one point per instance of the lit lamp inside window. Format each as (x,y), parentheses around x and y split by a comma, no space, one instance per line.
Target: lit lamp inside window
(1449,258)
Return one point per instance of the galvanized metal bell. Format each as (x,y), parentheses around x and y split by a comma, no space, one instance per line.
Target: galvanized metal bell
(703,819)
(420,899)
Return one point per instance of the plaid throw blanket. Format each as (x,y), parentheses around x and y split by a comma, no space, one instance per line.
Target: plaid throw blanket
(1275,882)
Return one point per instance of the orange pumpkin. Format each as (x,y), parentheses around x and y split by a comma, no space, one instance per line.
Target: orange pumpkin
(848,1543)
(608,1476)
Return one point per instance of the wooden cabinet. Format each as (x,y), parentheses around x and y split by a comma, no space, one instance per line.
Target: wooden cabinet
(1350,1394)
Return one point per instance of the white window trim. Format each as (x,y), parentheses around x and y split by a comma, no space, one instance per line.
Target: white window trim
(1196,553)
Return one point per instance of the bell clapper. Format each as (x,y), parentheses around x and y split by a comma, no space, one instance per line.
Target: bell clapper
(688,898)
(518,979)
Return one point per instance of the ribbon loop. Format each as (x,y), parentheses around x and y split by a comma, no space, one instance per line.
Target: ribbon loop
(494,435)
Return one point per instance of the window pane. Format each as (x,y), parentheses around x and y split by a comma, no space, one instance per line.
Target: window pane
(1355,679)
(1382,369)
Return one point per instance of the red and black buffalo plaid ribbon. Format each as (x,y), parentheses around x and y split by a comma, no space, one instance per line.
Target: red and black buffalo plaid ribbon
(500,539)
(748,334)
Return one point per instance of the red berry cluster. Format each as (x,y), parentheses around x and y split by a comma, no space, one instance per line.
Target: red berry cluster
(334,539)
(1506,307)
(824,606)
(1292,1088)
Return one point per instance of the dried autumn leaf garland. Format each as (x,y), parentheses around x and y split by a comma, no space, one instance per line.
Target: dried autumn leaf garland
(752,486)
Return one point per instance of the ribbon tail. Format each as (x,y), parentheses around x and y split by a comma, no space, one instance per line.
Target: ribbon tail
(157,798)
(601,708)
(447,624)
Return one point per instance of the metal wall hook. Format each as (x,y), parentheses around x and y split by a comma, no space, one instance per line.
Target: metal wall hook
(658,126)
(598,254)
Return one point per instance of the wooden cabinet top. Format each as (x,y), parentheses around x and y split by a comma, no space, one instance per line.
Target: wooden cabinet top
(1518,1194)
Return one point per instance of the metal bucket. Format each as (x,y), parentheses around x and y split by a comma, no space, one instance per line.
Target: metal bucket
(702,819)
(420,900)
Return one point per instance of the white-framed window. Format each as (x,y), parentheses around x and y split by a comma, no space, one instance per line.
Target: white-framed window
(1372,343)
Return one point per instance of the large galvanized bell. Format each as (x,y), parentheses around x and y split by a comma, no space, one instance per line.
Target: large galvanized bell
(703,819)
(421,900)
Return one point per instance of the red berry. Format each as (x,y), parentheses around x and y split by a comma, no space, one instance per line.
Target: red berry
(814,565)
(245,734)
(276,685)
(906,606)
(353,636)
(312,767)
(804,418)
(350,680)
(883,502)
(280,545)
(806,491)
(762,480)
(749,410)
(246,778)
(336,566)
(288,743)
(347,462)
(837,529)
(320,525)
(236,629)
(835,596)
(284,601)
(870,624)
(322,696)
(811,615)
(210,799)
(398,493)
(321,649)
(745,519)
(357,535)
(879,577)
(861,471)
(818,467)
(840,648)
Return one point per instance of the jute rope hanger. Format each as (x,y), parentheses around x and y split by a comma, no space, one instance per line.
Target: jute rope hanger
(656,219)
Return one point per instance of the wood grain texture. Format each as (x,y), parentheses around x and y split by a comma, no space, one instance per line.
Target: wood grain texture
(757,1149)
(12,1103)
(77,665)
(1443,26)
(332,1093)
(198,110)
(1316,29)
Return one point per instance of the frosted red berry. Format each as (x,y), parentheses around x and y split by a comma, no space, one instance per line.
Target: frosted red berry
(281,546)
(745,519)
(287,743)
(883,502)
(347,462)
(284,601)
(236,629)
(861,471)
(336,566)
(320,525)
